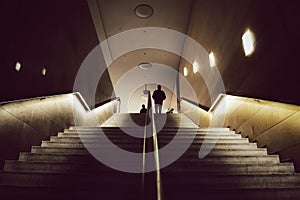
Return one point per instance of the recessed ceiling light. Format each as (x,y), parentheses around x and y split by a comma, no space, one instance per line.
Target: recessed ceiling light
(143,11)
(145,66)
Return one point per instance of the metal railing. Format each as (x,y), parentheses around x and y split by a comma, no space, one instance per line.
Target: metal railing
(89,108)
(151,182)
(194,103)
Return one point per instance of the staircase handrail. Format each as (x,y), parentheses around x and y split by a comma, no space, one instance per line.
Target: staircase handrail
(77,94)
(152,130)
(33,98)
(206,108)
(90,108)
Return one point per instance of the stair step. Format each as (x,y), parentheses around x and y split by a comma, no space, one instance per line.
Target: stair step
(218,150)
(199,180)
(121,134)
(129,191)
(25,156)
(207,140)
(165,129)
(49,167)
(214,156)
(237,152)
(132,145)
(193,193)
(65,163)
(175,132)
(214,152)
(187,180)
(61,167)
(193,158)
(230,168)
(102,181)
(66,138)
(138,140)
(39,149)
(208,130)
(207,145)
(200,135)
(75,150)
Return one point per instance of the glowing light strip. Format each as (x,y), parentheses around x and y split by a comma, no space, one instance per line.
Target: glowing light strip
(82,101)
(216,102)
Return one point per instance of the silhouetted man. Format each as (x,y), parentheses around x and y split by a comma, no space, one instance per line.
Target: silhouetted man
(143,109)
(159,96)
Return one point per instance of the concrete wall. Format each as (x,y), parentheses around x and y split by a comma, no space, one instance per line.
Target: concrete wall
(271,72)
(270,124)
(199,116)
(26,123)
(57,35)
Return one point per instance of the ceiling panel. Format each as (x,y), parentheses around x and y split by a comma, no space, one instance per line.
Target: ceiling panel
(118,15)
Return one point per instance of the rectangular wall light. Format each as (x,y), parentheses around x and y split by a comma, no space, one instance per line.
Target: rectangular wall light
(185,71)
(195,67)
(248,40)
(212,59)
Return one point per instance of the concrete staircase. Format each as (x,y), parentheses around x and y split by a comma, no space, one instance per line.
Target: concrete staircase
(234,169)
(62,168)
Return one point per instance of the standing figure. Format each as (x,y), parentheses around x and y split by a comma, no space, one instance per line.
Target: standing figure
(159,96)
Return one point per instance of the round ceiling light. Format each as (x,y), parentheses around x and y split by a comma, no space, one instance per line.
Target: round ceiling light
(143,11)
(145,66)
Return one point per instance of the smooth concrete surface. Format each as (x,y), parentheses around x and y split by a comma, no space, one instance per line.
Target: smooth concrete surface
(218,26)
(26,123)
(198,115)
(126,120)
(137,120)
(271,124)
